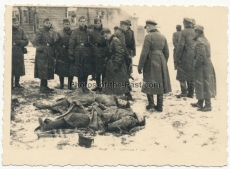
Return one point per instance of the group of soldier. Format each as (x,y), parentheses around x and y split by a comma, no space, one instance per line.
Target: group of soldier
(107,56)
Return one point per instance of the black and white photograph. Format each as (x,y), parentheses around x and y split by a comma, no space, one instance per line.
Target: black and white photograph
(109,85)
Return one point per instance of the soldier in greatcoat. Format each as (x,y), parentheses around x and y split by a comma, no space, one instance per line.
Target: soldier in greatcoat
(100,52)
(19,41)
(45,55)
(80,52)
(176,36)
(130,44)
(63,61)
(116,76)
(153,63)
(204,73)
(185,58)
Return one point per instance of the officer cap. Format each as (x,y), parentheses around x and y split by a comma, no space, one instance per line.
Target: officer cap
(151,22)
(199,27)
(193,21)
(106,30)
(188,20)
(129,22)
(14,19)
(82,17)
(46,19)
(124,23)
(178,27)
(66,20)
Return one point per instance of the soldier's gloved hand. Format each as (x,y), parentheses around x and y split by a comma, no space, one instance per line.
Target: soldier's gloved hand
(139,71)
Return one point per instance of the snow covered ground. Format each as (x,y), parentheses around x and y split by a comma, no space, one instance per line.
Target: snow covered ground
(179,130)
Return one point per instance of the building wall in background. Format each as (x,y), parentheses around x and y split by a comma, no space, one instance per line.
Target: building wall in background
(31,17)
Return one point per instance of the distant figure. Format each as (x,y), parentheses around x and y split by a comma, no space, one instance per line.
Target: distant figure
(62,67)
(81,54)
(130,44)
(153,62)
(116,77)
(176,36)
(204,73)
(185,59)
(44,58)
(19,41)
(100,52)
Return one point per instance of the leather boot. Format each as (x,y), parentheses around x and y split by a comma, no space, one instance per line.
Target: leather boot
(207,106)
(17,79)
(184,91)
(190,89)
(151,102)
(58,124)
(61,79)
(70,83)
(199,103)
(159,106)
(98,81)
(43,86)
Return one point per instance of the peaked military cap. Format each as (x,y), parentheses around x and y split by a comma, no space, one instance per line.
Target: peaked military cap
(66,20)
(115,27)
(178,27)
(199,27)
(124,23)
(106,30)
(14,19)
(193,21)
(82,17)
(151,22)
(188,20)
(129,22)
(46,19)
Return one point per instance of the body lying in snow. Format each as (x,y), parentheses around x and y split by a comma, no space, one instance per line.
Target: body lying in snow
(98,112)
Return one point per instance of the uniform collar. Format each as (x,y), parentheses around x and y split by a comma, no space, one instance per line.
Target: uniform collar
(154,30)
(67,30)
(46,28)
(198,36)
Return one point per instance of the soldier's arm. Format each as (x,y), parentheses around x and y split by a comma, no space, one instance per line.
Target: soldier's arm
(36,41)
(166,51)
(134,45)
(200,54)
(145,52)
(57,41)
(72,43)
(24,41)
(174,40)
(180,47)
(118,55)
